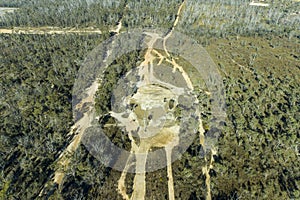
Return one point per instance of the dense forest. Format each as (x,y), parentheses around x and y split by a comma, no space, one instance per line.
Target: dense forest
(256,50)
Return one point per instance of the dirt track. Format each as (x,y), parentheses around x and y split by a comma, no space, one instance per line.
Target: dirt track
(49,30)
(169,135)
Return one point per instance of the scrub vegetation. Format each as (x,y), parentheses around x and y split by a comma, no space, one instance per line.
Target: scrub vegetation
(256,50)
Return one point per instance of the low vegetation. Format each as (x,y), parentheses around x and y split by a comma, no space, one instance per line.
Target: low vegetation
(256,49)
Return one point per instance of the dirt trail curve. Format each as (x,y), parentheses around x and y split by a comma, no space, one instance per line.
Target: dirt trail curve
(77,130)
(167,138)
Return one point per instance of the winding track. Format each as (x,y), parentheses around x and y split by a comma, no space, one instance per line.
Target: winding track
(139,185)
(78,129)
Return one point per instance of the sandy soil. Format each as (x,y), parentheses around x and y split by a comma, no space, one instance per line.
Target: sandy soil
(167,138)
(80,126)
(259,4)
(49,30)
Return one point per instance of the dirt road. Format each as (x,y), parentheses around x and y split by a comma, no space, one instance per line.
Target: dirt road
(49,30)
